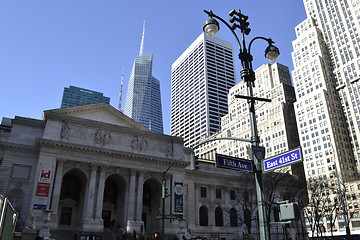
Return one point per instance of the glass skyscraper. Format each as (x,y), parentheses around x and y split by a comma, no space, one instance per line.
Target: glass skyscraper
(143,99)
(75,96)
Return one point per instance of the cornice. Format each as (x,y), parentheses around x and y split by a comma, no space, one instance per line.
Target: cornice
(40,142)
(15,146)
(61,112)
(112,127)
(209,174)
(29,121)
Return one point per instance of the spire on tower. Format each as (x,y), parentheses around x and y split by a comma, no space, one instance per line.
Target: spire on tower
(121,89)
(142,41)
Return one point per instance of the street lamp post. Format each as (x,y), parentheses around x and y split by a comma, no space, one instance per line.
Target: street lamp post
(211,27)
(164,195)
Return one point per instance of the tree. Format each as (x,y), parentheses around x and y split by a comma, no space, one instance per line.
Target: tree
(347,200)
(282,186)
(245,197)
(277,186)
(319,206)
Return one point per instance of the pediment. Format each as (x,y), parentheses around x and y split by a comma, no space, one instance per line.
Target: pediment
(101,112)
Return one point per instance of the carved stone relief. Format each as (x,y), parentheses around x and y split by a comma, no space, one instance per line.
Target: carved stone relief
(102,137)
(65,131)
(169,150)
(139,144)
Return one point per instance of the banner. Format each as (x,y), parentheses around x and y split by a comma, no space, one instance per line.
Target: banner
(43,188)
(179,202)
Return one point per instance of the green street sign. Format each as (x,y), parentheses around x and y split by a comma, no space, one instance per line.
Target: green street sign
(171,216)
(167,216)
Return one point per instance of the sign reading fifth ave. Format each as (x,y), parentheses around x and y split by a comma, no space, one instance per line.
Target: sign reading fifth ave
(234,163)
(282,160)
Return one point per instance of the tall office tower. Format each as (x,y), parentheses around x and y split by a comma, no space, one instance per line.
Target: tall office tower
(338,21)
(276,120)
(322,126)
(143,99)
(200,80)
(324,122)
(75,96)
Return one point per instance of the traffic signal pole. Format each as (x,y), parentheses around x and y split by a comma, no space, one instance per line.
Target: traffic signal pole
(163,196)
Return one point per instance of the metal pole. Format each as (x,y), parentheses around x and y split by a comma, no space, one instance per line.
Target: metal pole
(264,235)
(163,187)
(163,208)
(248,75)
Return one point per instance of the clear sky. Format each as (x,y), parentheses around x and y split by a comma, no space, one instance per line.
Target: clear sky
(48,45)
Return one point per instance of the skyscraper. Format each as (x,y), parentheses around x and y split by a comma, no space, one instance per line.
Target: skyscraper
(200,80)
(326,77)
(322,127)
(338,22)
(143,99)
(75,96)
(276,122)
(326,61)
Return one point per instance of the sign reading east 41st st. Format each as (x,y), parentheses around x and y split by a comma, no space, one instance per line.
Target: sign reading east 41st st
(234,163)
(282,160)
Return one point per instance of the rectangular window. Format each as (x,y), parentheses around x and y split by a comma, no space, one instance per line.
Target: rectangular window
(232,195)
(203,192)
(218,193)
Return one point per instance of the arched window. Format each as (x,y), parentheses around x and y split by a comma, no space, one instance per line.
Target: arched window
(233,218)
(70,188)
(219,221)
(204,221)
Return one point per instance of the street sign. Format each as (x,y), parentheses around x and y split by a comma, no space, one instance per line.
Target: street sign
(234,163)
(167,216)
(282,160)
(171,216)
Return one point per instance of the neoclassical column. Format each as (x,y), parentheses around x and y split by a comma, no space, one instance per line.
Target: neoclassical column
(131,209)
(211,207)
(139,202)
(212,193)
(57,189)
(226,214)
(100,194)
(192,203)
(89,211)
(126,203)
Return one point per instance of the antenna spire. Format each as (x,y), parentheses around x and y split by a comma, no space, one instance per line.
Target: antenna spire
(121,89)
(142,41)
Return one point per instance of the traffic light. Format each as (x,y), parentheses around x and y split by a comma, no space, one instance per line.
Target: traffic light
(194,165)
(156,235)
(164,191)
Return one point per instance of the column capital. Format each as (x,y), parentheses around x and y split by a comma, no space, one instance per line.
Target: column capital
(142,172)
(61,162)
(94,166)
(103,167)
(133,171)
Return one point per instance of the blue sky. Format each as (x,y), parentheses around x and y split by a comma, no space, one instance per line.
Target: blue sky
(48,45)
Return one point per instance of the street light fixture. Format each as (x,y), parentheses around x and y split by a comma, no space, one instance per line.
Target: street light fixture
(239,21)
(211,27)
